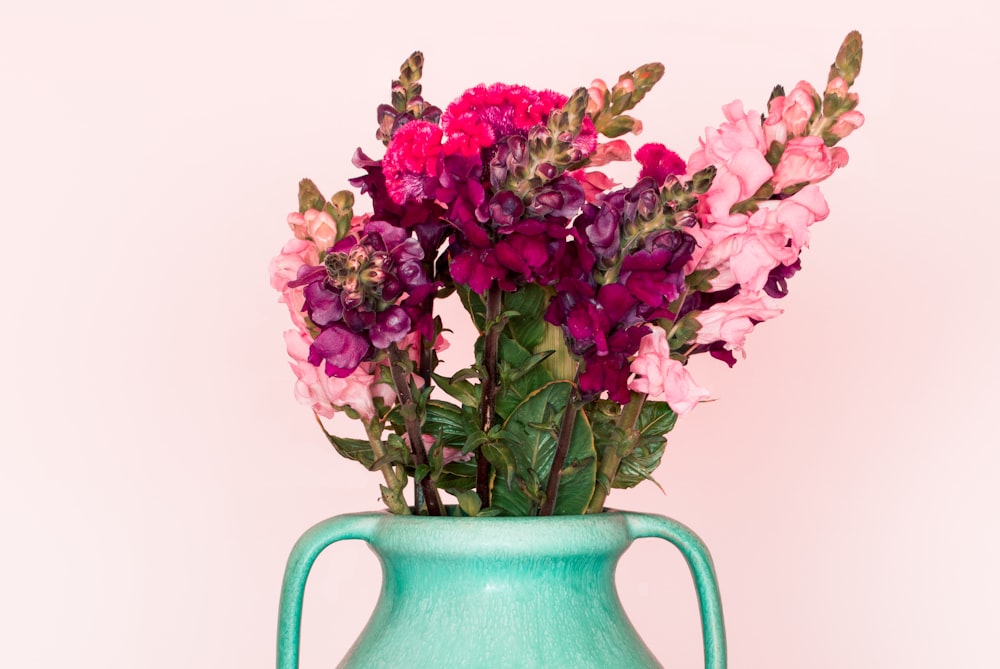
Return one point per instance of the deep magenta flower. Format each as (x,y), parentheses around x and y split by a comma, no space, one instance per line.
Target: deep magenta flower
(602,326)
(358,297)
(659,162)
(655,272)
(483,115)
(412,162)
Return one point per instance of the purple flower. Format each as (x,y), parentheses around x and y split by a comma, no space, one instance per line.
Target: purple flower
(353,298)
(655,272)
(777,279)
(603,327)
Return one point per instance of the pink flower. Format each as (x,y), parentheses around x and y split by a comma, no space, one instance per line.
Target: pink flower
(740,131)
(735,180)
(837,86)
(315,225)
(615,150)
(594,183)
(847,123)
(597,91)
(774,235)
(327,394)
(807,160)
(661,377)
(732,321)
(284,268)
(788,115)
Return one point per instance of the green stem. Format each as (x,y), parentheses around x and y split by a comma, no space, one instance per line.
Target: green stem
(373,429)
(488,400)
(562,448)
(612,456)
(408,408)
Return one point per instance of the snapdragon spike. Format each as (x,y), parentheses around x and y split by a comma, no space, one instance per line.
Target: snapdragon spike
(358,298)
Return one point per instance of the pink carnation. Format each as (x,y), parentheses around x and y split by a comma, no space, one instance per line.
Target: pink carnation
(732,321)
(807,160)
(661,377)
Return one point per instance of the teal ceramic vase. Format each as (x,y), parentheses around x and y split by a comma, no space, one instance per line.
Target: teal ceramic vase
(498,592)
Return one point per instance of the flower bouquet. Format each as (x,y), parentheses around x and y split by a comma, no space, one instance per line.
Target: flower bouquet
(589,297)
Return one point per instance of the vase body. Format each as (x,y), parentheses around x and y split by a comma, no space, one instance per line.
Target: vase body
(497,592)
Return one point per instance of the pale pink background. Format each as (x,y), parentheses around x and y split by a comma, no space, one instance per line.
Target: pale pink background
(156,470)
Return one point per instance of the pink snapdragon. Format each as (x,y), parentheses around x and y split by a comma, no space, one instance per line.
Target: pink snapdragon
(730,322)
(327,394)
(737,150)
(788,115)
(740,132)
(661,377)
(847,123)
(773,235)
(284,268)
(807,160)
(316,225)
(607,152)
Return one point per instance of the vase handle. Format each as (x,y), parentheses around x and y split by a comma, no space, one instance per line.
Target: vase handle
(300,562)
(700,562)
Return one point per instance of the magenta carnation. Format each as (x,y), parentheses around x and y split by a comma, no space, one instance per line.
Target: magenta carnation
(411,164)
(485,114)
(659,162)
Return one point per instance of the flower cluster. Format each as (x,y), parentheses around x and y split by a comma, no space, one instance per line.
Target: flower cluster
(581,289)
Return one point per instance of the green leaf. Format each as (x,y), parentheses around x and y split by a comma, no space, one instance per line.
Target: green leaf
(502,458)
(461,390)
(521,374)
(469,502)
(531,435)
(655,419)
(527,366)
(353,449)
(684,330)
(474,305)
(638,465)
(448,422)
(528,327)
(700,280)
